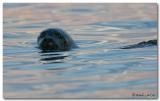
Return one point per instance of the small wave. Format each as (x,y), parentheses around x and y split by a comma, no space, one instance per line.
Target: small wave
(128,24)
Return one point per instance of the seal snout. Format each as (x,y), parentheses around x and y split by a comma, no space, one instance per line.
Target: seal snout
(48,44)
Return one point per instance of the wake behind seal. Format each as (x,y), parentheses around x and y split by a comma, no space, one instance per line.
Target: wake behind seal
(142,44)
(55,39)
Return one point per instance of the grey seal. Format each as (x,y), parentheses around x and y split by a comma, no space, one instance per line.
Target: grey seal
(55,39)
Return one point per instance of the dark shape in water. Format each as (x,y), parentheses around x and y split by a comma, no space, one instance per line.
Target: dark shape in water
(53,58)
(141,44)
(54,39)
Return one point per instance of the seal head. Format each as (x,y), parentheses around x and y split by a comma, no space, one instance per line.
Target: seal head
(54,39)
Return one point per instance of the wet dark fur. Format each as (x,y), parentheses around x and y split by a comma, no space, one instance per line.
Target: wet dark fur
(55,39)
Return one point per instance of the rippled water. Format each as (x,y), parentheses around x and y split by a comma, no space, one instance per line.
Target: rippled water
(98,68)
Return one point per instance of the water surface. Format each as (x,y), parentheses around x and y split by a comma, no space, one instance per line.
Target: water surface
(98,68)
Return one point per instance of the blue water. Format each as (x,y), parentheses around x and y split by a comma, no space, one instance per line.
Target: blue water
(97,69)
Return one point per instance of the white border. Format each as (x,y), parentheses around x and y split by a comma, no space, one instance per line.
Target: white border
(81,1)
(1,50)
(61,1)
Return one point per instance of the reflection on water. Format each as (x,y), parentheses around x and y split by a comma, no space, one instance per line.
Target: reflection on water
(53,58)
(98,68)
